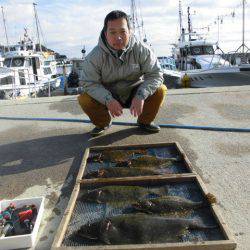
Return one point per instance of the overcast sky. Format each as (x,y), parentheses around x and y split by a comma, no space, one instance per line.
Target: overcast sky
(68,25)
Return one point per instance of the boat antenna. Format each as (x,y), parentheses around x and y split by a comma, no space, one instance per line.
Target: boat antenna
(5,29)
(37,30)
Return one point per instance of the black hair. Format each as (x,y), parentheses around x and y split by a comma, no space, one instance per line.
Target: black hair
(113,15)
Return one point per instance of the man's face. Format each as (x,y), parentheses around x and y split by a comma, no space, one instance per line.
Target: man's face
(117,33)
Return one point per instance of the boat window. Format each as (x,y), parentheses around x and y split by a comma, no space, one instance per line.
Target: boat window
(208,50)
(27,62)
(7,62)
(196,50)
(21,77)
(17,62)
(7,80)
(29,47)
(47,71)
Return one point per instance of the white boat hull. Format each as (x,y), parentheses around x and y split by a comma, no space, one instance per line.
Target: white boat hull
(16,90)
(223,76)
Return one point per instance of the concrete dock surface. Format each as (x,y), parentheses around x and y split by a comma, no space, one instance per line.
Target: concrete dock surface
(42,158)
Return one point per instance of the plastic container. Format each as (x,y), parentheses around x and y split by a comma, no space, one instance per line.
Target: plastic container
(25,240)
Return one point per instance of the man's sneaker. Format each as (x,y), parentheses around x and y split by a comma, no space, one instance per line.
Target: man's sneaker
(98,131)
(152,128)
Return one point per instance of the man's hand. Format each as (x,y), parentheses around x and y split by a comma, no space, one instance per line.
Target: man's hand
(114,108)
(136,106)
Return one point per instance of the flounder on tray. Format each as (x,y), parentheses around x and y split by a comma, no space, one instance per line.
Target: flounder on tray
(139,229)
(120,193)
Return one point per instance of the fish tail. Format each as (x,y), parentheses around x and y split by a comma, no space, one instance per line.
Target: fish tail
(199,204)
(199,224)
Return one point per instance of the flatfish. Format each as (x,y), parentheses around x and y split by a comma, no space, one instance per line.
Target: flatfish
(140,229)
(166,204)
(120,193)
(115,155)
(121,172)
(148,161)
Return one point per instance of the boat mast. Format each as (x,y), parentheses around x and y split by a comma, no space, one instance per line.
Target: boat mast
(243,26)
(132,14)
(5,30)
(218,30)
(136,24)
(37,30)
(243,45)
(180,20)
(189,23)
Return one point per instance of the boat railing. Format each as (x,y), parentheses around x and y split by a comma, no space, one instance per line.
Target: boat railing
(28,80)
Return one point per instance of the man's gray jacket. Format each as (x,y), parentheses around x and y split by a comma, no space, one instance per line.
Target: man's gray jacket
(107,75)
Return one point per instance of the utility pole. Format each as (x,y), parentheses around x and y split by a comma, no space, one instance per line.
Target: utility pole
(37,30)
(4,24)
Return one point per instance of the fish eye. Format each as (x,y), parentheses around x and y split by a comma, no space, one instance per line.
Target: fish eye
(150,203)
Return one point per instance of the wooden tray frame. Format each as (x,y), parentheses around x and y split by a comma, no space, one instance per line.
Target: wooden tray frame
(227,244)
(131,146)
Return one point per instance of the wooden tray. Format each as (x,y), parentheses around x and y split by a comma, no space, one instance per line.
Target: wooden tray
(160,149)
(227,242)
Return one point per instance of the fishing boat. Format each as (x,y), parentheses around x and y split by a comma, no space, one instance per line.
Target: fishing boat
(201,67)
(195,52)
(199,64)
(26,71)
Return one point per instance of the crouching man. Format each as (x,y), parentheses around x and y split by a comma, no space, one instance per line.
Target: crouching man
(121,72)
